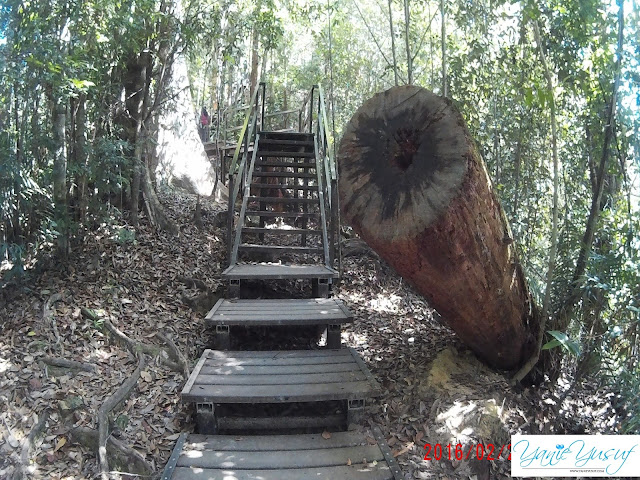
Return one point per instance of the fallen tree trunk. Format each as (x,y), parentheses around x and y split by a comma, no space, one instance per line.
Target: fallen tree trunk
(414,187)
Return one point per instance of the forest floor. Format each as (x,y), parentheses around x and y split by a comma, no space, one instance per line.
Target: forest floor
(435,390)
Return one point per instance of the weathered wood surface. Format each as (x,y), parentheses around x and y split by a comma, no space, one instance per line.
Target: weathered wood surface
(342,456)
(277,271)
(414,187)
(313,311)
(249,377)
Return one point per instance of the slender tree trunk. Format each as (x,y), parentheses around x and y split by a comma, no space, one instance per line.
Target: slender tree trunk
(407,18)
(551,264)
(17,230)
(81,156)
(255,60)
(568,305)
(393,46)
(443,45)
(135,87)
(517,174)
(60,176)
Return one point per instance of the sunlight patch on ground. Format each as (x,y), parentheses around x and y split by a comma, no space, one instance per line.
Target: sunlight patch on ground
(387,303)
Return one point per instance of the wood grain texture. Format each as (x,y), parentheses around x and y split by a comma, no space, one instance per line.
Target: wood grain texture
(414,187)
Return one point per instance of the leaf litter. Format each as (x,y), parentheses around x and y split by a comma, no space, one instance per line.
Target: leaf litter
(434,390)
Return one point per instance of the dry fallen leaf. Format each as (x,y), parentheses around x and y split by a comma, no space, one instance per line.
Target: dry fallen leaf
(60,443)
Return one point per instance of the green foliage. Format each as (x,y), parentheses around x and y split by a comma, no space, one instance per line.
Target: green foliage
(561,339)
(125,236)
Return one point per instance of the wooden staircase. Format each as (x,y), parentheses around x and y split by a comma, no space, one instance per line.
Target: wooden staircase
(282,227)
(262,414)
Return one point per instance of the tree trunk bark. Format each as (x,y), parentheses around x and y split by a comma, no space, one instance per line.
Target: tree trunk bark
(407,18)
(393,46)
(60,176)
(443,45)
(81,157)
(417,191)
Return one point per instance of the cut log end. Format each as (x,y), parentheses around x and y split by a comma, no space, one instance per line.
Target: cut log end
(415,188)
(404,154)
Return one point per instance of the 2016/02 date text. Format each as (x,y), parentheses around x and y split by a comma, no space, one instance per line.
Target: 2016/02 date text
(460,452)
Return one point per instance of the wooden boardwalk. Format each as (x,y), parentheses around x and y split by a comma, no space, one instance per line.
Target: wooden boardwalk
(340,456)
(287,185)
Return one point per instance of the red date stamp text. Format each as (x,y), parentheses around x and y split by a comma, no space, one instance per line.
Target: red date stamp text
(460,452)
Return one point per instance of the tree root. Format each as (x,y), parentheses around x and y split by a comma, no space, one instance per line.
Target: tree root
(177,354)
(119,455)
(193,282)
(136,347)
(103,415)
(70,364)
(48,317)
(27,445)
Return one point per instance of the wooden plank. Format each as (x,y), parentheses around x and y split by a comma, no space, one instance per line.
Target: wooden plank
(263,213)
(278,393)
(281,231)
(281,459)
(285,174)
(275,163)
(295,143)
(379,471)
(285,186)
(242,378)
(283,308)
(376,390)
(244,362)
(278,354)
(277,272)
(293,320)
(275,302)
(281,369)
(196,371)
(254,198)
(278,308)
(269,443)
(251,247)
(215,308)
(304,315)
(280,153)
(281,423)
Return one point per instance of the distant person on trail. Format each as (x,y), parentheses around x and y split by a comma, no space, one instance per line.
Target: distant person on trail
(204,125)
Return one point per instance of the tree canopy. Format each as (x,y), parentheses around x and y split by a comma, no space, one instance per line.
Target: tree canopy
(550,91)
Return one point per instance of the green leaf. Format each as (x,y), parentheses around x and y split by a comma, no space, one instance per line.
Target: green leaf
(563,340)
(82,84)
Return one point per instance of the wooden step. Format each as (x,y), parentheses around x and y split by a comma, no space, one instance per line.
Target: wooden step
(313,311)
(285,154)
(250,247)
(284,186)
(282,200)
(285,174)
(283,142)
(282,231)
(251,387)
(288,135)
(272,163)
(270,271)
(264,213)
(341,456)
